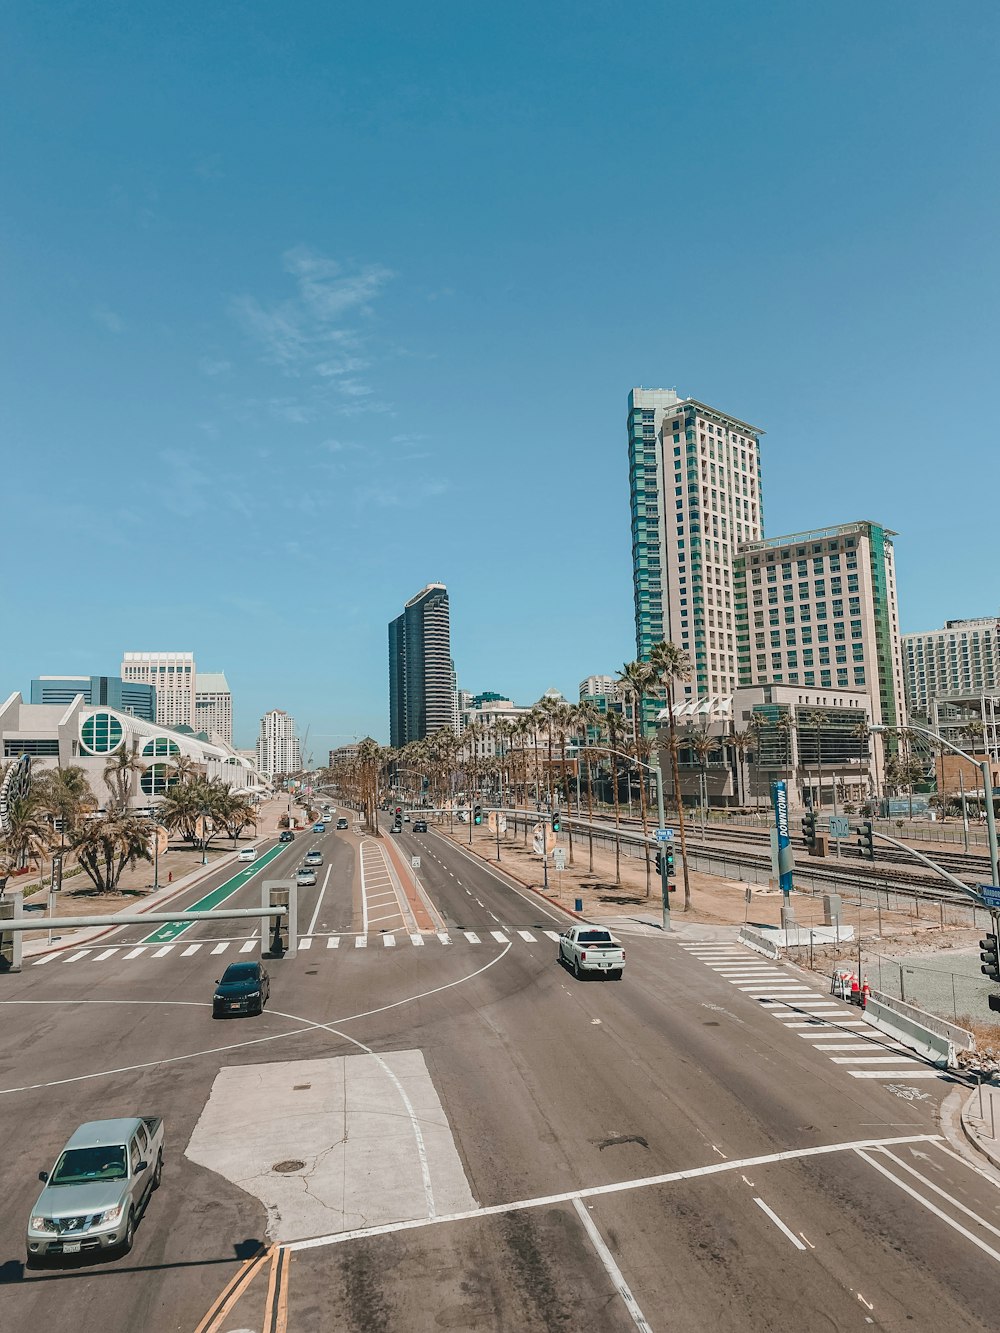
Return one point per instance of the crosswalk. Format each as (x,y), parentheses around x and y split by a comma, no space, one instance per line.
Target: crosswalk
(123,953)
(827,1024)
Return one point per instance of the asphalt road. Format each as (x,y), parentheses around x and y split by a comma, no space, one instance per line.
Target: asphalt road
(677,1150)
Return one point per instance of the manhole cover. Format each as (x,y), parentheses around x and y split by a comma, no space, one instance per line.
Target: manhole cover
(286,1168)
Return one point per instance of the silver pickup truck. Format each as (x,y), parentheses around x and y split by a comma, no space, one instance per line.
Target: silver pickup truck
(591,949)
(97,1190)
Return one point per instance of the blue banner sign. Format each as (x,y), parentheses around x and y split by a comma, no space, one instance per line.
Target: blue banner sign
(786,858)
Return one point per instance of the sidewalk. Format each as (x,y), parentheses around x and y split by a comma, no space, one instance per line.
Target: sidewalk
(981,1121)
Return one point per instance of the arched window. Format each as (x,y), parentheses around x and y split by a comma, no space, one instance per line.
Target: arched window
(100,733)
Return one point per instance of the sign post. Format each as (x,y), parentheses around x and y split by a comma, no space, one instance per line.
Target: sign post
(785,857)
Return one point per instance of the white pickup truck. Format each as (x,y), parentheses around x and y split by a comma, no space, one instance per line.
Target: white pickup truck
(591,949)
(97,1190)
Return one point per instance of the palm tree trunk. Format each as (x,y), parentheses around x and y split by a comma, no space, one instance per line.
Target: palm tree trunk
(565,783)
(590,814)
(636,713)
(675,767)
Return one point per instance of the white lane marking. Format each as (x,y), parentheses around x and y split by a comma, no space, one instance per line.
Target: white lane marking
(471,936)
(552,935)
(249,945)
(106,954)
(417,940)
(319,901)
(134,953)
(192,948)
(380,897)
(219,948)
(868,1059)
(333,942)
(499,936)
(612,1269)
(306,942)
(364,892)
(389,940)
(779,1224)
(75,957)
(361,941)
(165,949)
(912,1072)
(444,937)
(972,1167)
(527,935)
(498,875)
(46,958)
(855,1046)
(785,988)
(386,916)
(595,1191)
(931,1207)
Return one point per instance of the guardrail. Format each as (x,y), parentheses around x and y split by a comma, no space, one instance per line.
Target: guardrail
(926,1034)
(759,942)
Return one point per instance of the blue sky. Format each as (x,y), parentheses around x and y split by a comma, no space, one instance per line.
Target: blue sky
(305,306)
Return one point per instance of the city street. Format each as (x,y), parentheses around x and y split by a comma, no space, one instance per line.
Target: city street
(469,1138)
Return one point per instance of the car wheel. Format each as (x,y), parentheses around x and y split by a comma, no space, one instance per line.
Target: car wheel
(577,969)
(617,974)
(32,1260)
(129,1239)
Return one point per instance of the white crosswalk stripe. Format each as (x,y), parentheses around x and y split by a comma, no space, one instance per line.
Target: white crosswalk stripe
(75,957)
(361,942)
(249,945)
(219,948)
(164,949)
(471,936)
(389,940)
(553,935)
(417,941)
(333,942)
(306,942)
(134,953)
(500,937)
(527,935)
(185,953)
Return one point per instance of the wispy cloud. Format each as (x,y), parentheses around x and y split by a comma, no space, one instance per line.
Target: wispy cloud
(386,496)
(108,319)
(214,365)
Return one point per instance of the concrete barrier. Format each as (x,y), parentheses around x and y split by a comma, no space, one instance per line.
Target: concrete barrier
(926,1034)
(759,942)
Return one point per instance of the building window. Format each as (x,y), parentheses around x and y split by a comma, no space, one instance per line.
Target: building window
(101,733)
(160,747)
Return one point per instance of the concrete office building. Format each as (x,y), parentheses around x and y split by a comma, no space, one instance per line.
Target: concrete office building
(173,676)
(422,686)
(694,480)
(818,610)
(608,686)
(961,660)
(213,705)
(129,696)
(278,749)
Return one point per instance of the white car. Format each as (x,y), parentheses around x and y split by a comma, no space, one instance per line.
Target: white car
(305,877)
(591,949)
(247,854)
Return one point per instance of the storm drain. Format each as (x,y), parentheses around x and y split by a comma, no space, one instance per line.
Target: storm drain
(286,1168)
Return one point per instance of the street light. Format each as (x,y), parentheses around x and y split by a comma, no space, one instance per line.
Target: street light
(987,777)
(204,835)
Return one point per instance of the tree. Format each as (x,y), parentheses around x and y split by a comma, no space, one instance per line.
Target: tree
(742,743)
(120,770)
(755,726)
(637,678)
(816,718)
(29,837)
(64,795)
(672,664)
(784,725)
(105,846)
(587,717)
(614,723)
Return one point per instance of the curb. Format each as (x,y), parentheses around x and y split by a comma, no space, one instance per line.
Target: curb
(992,1155)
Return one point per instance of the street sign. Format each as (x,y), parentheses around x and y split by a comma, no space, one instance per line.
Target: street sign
(991,895)
(840,826)
(664,835)
(501,823)
(415,862)
(491,821)
(559,858)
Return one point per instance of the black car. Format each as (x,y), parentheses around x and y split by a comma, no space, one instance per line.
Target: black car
(243,989)
(286,835)
(420,826)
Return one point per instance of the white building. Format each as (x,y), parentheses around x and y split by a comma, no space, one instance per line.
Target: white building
(594,687)
(963,659)
(174,676)
(213,705)
(277,745)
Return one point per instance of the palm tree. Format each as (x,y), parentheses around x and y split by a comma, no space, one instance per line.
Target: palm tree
(742,743)
(754,727)
(636,678)
(29,837)
(120,770)
(702,746)
(784,726)
(104,847)
(816,718)
(672,664)
(613,721)
(587,717)
(64,795)
(862,732)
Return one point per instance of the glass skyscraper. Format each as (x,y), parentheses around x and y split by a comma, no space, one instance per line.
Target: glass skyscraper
(421,674)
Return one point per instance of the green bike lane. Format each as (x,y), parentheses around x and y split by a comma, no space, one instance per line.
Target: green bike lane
(172,929)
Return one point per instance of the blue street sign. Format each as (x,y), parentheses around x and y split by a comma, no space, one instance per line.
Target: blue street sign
(840,826)
(664,835)
(991,894)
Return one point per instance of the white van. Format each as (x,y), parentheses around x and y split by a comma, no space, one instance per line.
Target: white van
(247,854)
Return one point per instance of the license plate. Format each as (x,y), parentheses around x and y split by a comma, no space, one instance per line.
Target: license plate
(71,1247)
(234,1005)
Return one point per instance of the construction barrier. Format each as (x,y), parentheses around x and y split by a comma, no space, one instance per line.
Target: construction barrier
(934,1038)
(759,942)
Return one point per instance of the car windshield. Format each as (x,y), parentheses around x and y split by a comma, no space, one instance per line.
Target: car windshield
(594,937)
(239,972)
(78,1165)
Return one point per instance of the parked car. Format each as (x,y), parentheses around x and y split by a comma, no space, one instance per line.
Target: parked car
(592,949)
(286,835)
(314,857)
(342,822)
(97,1190)
(420,826)
(243,989)
(247,854)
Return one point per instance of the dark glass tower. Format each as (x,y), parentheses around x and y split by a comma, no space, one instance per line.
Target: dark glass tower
(421,677)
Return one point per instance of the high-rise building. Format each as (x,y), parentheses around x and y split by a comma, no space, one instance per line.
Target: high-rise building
(129,697)
(593,686)
(213,705)
(422,691)
(694,478)
(173,677)
(277,744)
(819,610)
(963,659)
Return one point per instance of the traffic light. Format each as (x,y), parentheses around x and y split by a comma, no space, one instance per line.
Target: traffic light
(399,809)
(988,954)
(866,841)
(809,826)
(659,863)
(665,859)
(556,821)
(477,815)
